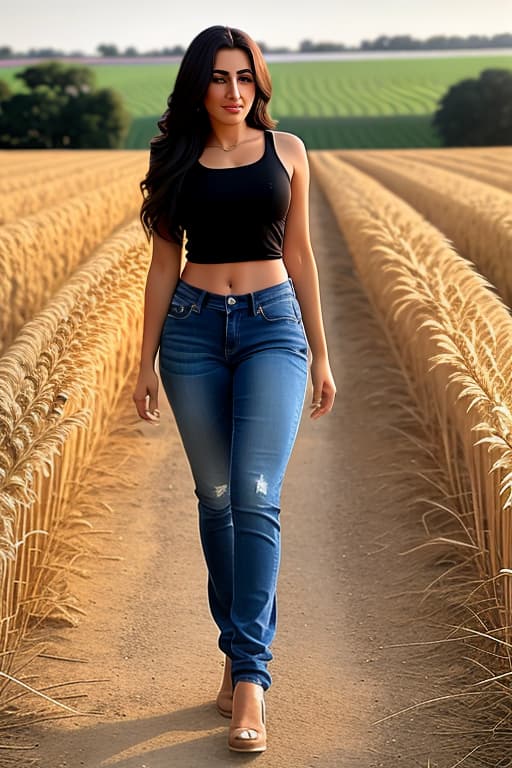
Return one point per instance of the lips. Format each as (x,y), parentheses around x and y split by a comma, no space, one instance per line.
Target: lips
(233,110)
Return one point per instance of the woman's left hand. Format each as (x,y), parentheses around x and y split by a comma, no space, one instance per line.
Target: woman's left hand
(324,388)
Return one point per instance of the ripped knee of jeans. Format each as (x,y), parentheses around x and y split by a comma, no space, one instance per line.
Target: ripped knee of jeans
(220,490)
(215,498)
(261,486)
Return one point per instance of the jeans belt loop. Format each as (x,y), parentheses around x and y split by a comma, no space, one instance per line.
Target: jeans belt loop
(252,303)
(202,299)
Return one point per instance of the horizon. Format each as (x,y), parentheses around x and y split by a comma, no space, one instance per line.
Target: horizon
(280,48)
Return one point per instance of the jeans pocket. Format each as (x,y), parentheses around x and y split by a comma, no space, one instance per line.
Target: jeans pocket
(280,309)
(180,311)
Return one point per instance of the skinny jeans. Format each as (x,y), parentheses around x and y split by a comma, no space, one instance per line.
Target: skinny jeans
(234,370)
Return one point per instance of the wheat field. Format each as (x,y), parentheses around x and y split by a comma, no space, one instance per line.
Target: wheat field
(431,247)
(430,235)
(73,270)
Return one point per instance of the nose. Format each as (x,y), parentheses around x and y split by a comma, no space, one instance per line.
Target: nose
(233,91)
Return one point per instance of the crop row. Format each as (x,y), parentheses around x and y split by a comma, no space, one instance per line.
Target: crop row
(475,216)
(494,169)
(42,193)
(60,382)
(39,252)
(21,169)
(452,339)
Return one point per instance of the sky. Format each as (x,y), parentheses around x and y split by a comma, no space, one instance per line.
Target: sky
(70,25)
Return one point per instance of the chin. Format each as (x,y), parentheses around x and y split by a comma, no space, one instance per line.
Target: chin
(232,119)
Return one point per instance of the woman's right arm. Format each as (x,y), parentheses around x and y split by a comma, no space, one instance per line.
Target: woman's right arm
(163,275)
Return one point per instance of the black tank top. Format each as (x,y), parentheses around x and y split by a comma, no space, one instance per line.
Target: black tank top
(236,214)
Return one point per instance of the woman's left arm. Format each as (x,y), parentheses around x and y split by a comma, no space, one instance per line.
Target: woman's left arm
(301,266)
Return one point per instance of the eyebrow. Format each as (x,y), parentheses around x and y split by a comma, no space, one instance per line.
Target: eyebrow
(239,72)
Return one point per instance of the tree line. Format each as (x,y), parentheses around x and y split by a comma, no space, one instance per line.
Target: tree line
(381,43)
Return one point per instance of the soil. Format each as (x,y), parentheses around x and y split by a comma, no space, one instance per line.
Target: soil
(348,597)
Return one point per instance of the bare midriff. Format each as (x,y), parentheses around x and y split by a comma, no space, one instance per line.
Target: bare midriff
(236,278)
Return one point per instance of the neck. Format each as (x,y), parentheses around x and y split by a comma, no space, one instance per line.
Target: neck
(221,136)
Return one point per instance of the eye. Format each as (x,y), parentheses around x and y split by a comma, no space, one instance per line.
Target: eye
(246,79)
(217,79)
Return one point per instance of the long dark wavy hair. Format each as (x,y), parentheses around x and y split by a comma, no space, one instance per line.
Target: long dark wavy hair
(185,124)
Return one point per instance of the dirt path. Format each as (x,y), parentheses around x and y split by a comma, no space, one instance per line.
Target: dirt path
(148,629)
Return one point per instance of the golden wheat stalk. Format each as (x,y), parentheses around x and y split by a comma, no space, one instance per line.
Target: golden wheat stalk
(476,217)
(452,338)
(38,253)
(494,172)
(20,169)
(60,382)
(15,204)
(460,364)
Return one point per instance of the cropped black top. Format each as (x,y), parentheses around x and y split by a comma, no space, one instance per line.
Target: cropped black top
(235,214)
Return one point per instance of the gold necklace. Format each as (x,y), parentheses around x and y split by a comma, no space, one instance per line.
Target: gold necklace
(231,147)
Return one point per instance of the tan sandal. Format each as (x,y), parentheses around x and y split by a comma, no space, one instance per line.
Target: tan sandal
(224,700)
(247,739)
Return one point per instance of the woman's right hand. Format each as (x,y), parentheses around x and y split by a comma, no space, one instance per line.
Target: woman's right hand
(145,395)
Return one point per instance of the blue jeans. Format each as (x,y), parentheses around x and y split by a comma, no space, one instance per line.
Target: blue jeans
(234,369)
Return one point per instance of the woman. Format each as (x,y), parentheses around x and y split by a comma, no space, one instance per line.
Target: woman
(232,329)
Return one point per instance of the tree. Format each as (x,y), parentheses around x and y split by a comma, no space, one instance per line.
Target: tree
(95,120)
(59,77)
(477,112)
(31,120)
(62,109)
(107,49)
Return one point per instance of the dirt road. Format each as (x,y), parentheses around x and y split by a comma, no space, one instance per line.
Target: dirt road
(345,594)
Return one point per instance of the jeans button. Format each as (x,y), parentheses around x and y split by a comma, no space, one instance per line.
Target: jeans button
(231,301)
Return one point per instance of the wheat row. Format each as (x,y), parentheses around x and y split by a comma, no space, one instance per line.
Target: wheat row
(39,252)
(22,202)
(60,382)
(22,169)
(453,339)
(475,216)
(496,172)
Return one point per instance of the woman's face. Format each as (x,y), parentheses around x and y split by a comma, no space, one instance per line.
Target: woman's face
(232,89)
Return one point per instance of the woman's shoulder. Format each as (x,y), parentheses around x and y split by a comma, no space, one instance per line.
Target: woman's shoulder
(289,141)
(292,151)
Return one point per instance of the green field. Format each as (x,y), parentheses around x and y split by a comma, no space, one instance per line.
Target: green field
(330,104)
